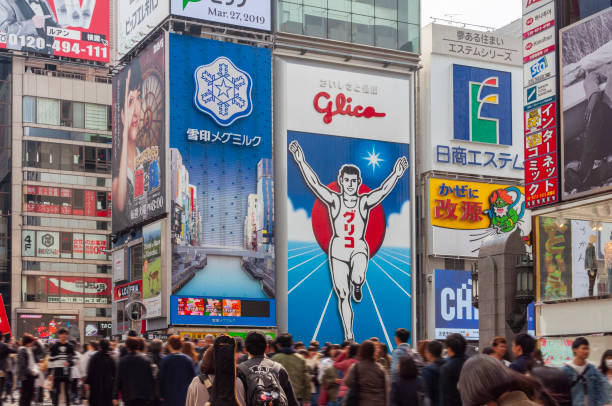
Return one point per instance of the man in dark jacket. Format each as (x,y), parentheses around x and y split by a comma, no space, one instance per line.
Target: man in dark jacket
(523,347)
(5,351)
(295,366)
(450,371)
(100,376)
(175,374)
(60,363)
(134,377)
(431,373)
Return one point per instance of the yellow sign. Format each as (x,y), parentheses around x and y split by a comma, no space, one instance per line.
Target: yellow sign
(471,205)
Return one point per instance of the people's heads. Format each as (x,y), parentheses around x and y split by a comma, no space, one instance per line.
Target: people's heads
(255,343)
(315,344)
(455,344)
(421,347)
(484,379)
(488,351)
(130,98)
(188,349)
(27,340)
(433,351)
(367,350)
(284,340)
(408,368)
(349,178)
(312,352)
(271,344)
(606,362)
(353,350)
(299,346)
(402,336)
(239,344)
(209,339)
(581,348)
(523,344)
(93,345)
(500,347)
(208,362)
(62,333)
(104,345)
(155,346)
(132,344)
(175,343)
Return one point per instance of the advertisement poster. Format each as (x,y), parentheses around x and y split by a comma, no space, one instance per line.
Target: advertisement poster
(555,267)
(119,265)
(582,236)
(125,291)
(221,162)
(69,28)
(466,214)
(47,244)
(152,269)
(585,112)
(46,326)
(227,312)
(349,239)
(137,19)
(95,246)
(556,351)
(453,301)
(242,13)
(139,134)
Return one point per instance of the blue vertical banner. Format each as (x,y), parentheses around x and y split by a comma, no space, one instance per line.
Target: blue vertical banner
(453,305)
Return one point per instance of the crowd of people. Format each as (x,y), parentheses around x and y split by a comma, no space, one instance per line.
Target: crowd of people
(261,371)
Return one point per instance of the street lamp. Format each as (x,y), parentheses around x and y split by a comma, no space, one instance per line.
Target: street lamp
(525,293)
(475,284)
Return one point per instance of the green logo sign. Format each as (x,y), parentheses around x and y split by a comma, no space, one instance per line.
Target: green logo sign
(185,2)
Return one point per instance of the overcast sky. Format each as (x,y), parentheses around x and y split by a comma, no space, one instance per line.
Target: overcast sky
(490,13)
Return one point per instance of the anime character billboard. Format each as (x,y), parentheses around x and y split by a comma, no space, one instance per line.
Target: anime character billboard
(349,237)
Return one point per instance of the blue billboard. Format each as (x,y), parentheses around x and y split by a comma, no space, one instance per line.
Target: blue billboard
(349,251)
(208,311)
(221,167)
(453,305)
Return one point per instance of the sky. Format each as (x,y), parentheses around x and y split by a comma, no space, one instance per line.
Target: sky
(489,13)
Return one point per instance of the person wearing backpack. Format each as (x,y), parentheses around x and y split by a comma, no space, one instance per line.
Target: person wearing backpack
(296,368)
(266,382)
(589,386)
(403,350)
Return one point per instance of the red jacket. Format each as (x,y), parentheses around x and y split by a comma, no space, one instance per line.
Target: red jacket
(343,364)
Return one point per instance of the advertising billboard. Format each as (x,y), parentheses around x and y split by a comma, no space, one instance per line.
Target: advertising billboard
(46,326)
(139,138)
(223,311)
(152,269)
(555,259)
(125,291)
(242,13)
(453,305)
(68,28)
(585,93)
(221,169)
(47,244)
(465,214)
(347,208)
(135,20)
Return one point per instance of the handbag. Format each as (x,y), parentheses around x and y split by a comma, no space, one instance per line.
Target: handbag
(351,398)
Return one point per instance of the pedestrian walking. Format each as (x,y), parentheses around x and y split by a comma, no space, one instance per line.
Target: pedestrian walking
(100,375)
(5,353)
(403,349)
(589,386)
(344,361)
(485,380)
(407,388)
(175,374)
(556,382)
(27,370)
(523,347)
(155,356)
(134,380)
(92,348)
(189,350)
(295,366)
(366,379)
(60,364)
(500,350)
(451,370)
(605,367)
(330,384)
(431,371)
(312,361)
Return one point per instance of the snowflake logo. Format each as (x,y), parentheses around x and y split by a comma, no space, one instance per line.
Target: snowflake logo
(223,91)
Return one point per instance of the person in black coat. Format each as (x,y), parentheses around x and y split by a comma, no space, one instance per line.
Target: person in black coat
(450,371)
(101,374)
(407,386)
(558,384)
(523,347)
(134,376)
(431,372)
(27,370)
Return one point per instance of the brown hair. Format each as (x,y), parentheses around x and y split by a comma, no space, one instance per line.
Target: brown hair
(27,339)
(132,344)
(498,340)
(208,362)
(367,350)
(175,342)
(189,350)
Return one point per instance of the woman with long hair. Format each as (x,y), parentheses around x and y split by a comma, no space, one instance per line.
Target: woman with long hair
(605,367)
(407,386)
(189,350)
(367,377)
(101,374)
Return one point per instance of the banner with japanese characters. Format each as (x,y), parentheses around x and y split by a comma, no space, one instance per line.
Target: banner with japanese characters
(463,215)
(222,188)
(136,19)
(242,13)
(139,139)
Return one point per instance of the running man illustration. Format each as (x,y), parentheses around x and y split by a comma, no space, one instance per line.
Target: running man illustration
(348,252)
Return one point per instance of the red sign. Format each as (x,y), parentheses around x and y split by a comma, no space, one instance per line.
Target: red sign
(540,168)
(122,292)
(90,203)
(541,117)
(540,143)
(541,193)
(5,327)
(342,106)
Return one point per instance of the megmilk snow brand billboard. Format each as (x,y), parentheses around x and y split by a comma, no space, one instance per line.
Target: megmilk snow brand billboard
(137,19)
(139,139)
(69,28)
(348,203)
(242,13)
(222,181)
(453,305)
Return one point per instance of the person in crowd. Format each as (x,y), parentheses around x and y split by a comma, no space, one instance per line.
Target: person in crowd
(488,351)
(295,366)
(155,356)
(189,350)
(500,349)
(431,372)
(175,374)
(523,347)
(421,348)
(368,376)
(605,367)
(5,353)
(241,354)
(92,348)
(299,346)
(589,386)
(325,362)
(312,361)
(60,364)
(330,383)
(403,349)
(27,370)
(344,361)
(556,382)
(134,380)
(450,371)
(382,356)
(315,344)
(75,373)
(407,388)
(255,345)
(199,391)
(11,367)
(100,375)
(538,358)
(485,381)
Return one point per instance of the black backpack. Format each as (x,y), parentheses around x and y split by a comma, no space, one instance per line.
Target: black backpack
(262,385)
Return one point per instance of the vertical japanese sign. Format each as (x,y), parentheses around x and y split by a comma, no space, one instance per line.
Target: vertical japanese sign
(152,275)
(539,97)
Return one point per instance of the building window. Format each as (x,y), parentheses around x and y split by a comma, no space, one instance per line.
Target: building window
(78,114)
(47,111)
(96,117)
(67,113)
(29,109)
(48,155)
(136,262)
(66,117)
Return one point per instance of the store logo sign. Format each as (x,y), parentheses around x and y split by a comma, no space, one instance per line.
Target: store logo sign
(47,240)
(541,65)
(341,105)
(482,105)
(223,91)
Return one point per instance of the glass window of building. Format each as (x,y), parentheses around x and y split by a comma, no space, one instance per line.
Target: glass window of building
(95,117)
(29,109)
(78,115)
(390,24)
(47,111)
(136,262)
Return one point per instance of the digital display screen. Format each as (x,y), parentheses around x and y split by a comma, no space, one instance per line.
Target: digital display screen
(211,311)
